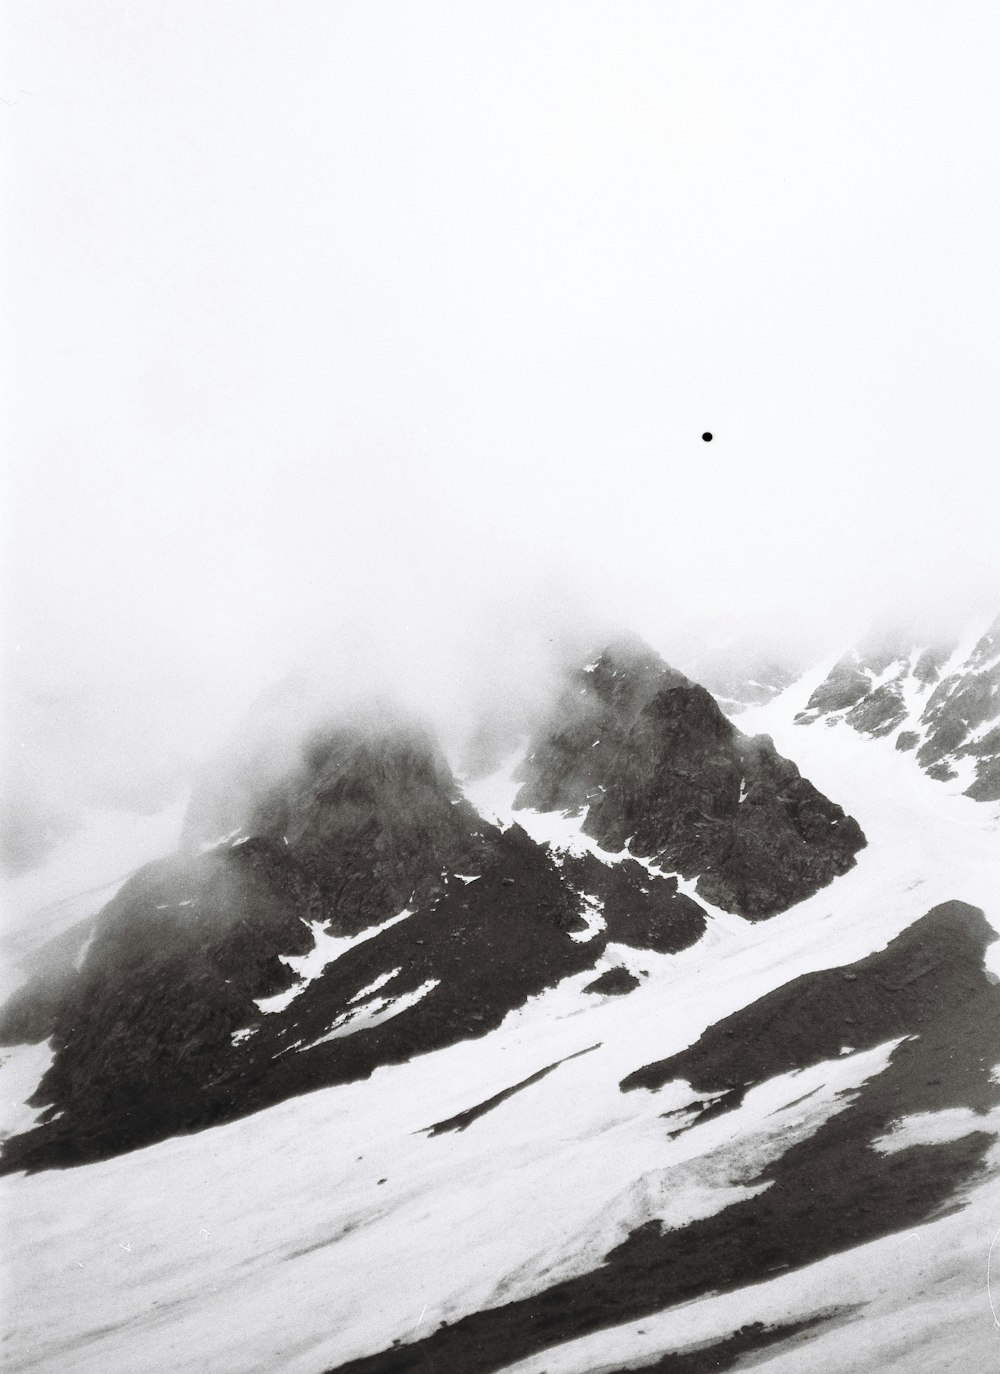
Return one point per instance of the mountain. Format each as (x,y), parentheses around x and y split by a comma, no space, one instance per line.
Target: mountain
(823,1192)
(641,1051)
(740,675)
(358,909)
(664,774)
(939,701)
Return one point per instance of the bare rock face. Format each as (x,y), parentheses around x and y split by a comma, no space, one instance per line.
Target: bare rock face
(928,971)
(144,1027)
(366,805)
(844,687)
(667,776)
(615,982)
(870,687)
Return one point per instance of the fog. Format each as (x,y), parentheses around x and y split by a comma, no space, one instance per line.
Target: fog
(381,338)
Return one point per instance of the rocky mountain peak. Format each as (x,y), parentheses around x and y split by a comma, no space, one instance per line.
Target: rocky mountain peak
(628,671)
(939,702)
(664,773)
(987,649)
(369,766)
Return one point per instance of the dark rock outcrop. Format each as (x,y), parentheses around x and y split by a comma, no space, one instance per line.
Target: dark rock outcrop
(868,685)
(935,964)
(638,909)
(144,1030)
(463,1120)
(955,722)
(615,982)
(575,753)
(366,805)
(844,687)
(666,775)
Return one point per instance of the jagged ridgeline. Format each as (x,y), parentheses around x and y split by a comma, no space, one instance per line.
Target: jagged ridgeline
(664,774)
(939,701)
(338,904)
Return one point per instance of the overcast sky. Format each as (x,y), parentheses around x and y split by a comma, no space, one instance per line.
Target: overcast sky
(401,311)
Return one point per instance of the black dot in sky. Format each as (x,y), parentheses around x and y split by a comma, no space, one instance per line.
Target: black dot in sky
(707,436)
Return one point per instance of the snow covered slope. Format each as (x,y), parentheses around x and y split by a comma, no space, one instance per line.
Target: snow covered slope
(780,1141)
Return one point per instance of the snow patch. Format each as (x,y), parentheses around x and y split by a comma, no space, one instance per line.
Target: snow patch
(943,1262)
(593,913)
(208,845)
(374,1014)
(326,948)
(936,1128)
(83,951)
(22,1068)
(706,1168)
(379,982)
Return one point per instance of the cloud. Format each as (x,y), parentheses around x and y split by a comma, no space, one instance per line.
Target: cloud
(412,318)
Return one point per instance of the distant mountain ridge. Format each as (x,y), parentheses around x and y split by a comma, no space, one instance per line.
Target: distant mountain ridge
(940,702)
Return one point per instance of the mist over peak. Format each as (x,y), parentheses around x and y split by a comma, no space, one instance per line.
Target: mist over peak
(492,879)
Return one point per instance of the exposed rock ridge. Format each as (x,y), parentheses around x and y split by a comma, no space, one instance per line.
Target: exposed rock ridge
(951,721)
(665,774)
(961,722)
(366,805)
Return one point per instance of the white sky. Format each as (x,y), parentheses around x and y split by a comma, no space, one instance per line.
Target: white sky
(397,311)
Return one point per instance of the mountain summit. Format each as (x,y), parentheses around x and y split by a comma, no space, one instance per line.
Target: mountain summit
(667,777)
